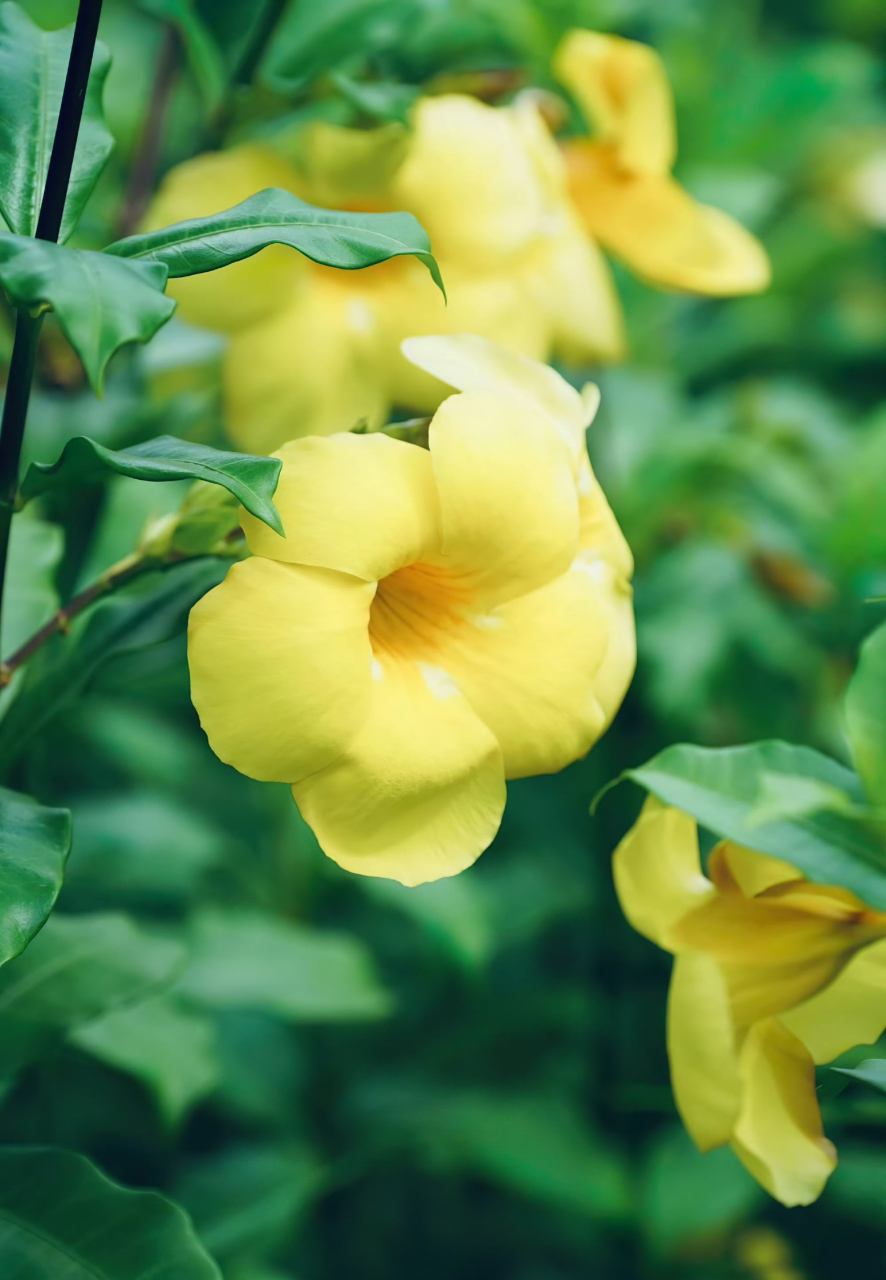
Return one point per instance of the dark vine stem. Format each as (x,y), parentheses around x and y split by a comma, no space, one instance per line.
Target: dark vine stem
(52,207)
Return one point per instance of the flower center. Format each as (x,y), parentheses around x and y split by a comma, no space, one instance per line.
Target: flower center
(414,610)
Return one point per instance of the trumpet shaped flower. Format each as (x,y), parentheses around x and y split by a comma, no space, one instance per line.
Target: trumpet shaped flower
(621,180)
(434,621)
(313,350)
(772,974)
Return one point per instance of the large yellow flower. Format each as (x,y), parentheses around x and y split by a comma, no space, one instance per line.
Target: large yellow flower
(621,179)
(313,349)
(772,974)
(434,621)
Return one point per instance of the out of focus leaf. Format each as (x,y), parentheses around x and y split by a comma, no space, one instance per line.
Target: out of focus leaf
(160,1042)
(313,38)
(242,959)
(452,910)
(77,968)
(34,846)
(243,1201)
(855,1188)
(872,1071)
(251,479)
(61,1218)
(381,100)
(29,594)
(328,236)
(33,65)
(866,716)
(204,56)
(102,302)
(722,790)
(689,1197)
(57,674)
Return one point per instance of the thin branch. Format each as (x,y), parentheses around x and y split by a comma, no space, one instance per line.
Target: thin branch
(147,156)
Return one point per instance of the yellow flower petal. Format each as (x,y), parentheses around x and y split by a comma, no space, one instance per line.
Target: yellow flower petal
(851,1011)
(599,536)
(529,670)
(656,227)
(470,180)
(309,369)
(657,871)
(347,168)
(280,667)
(508,500)
(472,363)
(420,791)
(365,505)
(247,291)
(779,1135)
(747,871)
(702,1051)
(622,88)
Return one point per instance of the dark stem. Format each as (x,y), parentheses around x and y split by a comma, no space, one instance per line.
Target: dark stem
(27,327)
(144,167)
(257,42)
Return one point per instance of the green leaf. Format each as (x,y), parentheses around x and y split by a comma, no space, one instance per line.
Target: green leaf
(313,38)
(29,594)
(34,845)
(203,54)
(61,1218)
(724,790)
(380,99)
(169,1048)
(328,236)
(101,302)
(150,612)
(866,716)
(33,65)
(453,911)
(243,959)
(251,479)
(872,1071)
(76,968)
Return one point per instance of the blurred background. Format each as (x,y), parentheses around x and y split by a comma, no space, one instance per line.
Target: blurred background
(355,1080)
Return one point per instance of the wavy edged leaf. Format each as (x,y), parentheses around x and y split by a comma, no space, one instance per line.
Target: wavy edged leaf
(33,64)
(61,1217)
(101,302)
(34,845)
(728,791)
(866,716)
(251,479)
(273,216)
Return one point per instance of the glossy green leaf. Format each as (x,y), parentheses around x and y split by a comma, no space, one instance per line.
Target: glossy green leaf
(170,1048)
(33,64)
(101,302)
(76,968)
(204,56)
(872,1071)
(723,790)
(242,959)
(61,1219)
(249,478)
(149,612)
(34,845)
(866,717)
(328,236)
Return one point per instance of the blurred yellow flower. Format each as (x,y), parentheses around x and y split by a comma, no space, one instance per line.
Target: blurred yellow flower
(314,349)
(772,974)
(434,622)
(621,180)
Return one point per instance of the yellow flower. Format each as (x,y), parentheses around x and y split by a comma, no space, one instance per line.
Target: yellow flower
(772,974)
(621,181)
(434,622)
(313,349)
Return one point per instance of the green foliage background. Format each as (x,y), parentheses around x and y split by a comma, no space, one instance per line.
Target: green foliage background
(339,1077)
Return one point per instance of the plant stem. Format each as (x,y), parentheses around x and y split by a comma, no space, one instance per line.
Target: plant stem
(144,166)
(52,207)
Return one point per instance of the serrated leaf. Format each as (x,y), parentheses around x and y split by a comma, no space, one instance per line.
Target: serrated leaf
(723,789)
(866,716)
(334,238)
(33,65)
(61,1217)
(34,845)
(872,1071)
(246,960)
(250,478)
(101,302)
(169,1048)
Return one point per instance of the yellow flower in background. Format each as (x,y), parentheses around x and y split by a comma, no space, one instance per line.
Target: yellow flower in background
(434,621)
(314,349)
(621,179)
(772,974)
